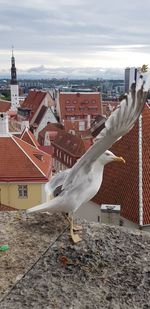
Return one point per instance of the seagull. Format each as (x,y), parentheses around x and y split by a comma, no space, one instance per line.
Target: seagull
(79,184)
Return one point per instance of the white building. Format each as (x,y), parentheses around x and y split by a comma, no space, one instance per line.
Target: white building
(130,78)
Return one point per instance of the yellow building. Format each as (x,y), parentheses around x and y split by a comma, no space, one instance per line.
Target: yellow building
(24,169)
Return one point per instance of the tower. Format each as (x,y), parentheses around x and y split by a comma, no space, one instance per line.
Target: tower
(130,77)
(14,89)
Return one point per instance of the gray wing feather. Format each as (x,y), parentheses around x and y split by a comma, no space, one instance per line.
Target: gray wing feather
(117,125)
(56,181)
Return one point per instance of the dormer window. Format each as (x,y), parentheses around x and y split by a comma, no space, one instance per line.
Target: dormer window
(39,156)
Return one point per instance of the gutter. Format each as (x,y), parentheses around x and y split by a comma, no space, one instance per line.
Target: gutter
(140,174)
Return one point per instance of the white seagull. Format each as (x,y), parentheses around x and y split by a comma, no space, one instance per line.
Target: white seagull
(80,183)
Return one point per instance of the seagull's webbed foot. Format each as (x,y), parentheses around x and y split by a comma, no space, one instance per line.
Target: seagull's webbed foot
(21,215)
(75,237)
(77,227)
(18,216)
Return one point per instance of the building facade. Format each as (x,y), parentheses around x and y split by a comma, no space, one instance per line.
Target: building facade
(68,149)
(24,169)
(79,109)
(38,109)
(130,78)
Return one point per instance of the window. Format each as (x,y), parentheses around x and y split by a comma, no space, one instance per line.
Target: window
(92,108)
(70,109)
(22,191)
(81,126)
(82,109)
(38,156)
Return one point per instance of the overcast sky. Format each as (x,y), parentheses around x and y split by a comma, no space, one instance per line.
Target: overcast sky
(50,34)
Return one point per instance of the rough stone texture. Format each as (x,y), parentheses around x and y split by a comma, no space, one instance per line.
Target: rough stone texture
(110,269)
(27,240)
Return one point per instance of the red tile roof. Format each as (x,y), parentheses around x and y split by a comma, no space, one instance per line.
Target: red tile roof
(121,182)
(22,162)
(28,136)
(87,142)
(70,144)
(4,106)
(53,128)
(146,165)
(33,101)
(47,149)
(40,115)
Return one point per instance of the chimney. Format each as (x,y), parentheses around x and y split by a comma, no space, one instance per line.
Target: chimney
(4,130)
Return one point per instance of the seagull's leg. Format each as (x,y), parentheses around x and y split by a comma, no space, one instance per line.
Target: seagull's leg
(21,215)
(18,215)
(75,237)
(75,226)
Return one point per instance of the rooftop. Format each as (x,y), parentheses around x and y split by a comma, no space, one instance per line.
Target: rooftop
(28,136)
(121,182)
(71,144)
(20,161)
(4,106)
(33,101)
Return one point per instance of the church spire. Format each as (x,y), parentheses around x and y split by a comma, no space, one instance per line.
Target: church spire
(13,69)
(14,89)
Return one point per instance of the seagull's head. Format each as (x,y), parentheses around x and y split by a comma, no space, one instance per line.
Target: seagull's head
(108,157)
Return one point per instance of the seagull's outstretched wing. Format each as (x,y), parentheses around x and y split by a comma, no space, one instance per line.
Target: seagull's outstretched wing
(56,181)
(118,124)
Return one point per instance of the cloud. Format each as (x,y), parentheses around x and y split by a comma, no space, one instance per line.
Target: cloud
(75,33)
(68,72)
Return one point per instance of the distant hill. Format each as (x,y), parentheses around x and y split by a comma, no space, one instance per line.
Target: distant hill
(67,72)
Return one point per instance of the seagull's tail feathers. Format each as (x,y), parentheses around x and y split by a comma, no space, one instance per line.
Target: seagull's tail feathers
(51,206)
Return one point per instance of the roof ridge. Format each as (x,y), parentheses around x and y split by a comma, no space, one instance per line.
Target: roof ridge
(36,148)
(23,132)
(26,142)
(27,130)
(147,105)
(29,133)
(14,139)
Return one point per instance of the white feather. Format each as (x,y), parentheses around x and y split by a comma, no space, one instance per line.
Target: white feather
(83,180)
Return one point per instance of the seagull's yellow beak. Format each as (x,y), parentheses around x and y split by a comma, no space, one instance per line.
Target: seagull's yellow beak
(119,159)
